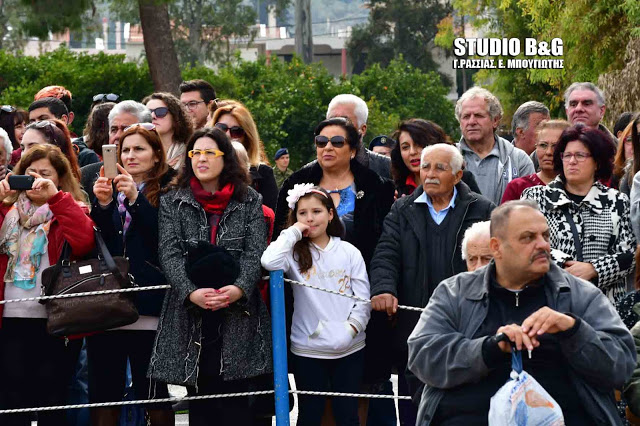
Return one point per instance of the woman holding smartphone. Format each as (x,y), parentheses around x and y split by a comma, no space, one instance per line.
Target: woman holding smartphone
(128,218)
(36,368)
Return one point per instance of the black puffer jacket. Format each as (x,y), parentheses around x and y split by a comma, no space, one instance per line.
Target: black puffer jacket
(400,264)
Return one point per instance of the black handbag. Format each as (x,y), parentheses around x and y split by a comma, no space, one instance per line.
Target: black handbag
(85,314)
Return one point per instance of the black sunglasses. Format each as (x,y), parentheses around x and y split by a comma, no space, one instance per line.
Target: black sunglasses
(7,108)
(236,132)
(160,112)
(106,97)
(336,141)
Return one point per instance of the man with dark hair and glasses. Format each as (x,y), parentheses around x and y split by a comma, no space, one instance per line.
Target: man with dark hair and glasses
(197,96)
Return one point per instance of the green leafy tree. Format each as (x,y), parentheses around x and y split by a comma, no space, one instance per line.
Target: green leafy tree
(398,27)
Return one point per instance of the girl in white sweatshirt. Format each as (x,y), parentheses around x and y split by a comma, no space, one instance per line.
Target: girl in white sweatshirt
(327,331)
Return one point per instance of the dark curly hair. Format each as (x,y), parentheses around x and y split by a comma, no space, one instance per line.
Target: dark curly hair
(424,133)
(302,249)
(182,123)
(597,142)
(232,172)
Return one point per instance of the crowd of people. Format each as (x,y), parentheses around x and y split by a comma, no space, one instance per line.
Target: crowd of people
(529,244)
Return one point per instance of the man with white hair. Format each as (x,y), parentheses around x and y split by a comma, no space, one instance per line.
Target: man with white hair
(6,148)
(420,246)
(584,103)
(475,245)
(524,123)
(356,110)
(493,160)
(121,116)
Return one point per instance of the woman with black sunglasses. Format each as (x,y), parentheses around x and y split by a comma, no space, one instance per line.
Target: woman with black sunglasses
(173,124)
(233,118)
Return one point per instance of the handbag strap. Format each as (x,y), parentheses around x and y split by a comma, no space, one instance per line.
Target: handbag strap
(574,231)
(516,359)
(108,259)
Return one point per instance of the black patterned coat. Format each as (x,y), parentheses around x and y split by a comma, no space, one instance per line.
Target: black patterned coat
(603,224)
(246,341)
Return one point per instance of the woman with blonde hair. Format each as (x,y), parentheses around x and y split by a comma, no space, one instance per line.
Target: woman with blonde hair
(233,118)
(36,367)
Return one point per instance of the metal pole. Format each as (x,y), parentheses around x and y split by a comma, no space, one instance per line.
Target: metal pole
(279,339)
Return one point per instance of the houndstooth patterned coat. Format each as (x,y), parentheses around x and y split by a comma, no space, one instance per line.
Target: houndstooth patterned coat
(603,224)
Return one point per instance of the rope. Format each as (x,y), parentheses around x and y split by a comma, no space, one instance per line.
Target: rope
(350,296)
(196,398)
(88,293)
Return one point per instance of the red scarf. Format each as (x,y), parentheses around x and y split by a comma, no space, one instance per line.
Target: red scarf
(410,182)
(213,204)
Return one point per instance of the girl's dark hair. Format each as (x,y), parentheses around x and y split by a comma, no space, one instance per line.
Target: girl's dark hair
(232,172)
(424,133)
(597,142)
(57,133)
(8,123)
(353,137)
(152,186)
(97,128)
(302,249)
(635,141)
(182,123)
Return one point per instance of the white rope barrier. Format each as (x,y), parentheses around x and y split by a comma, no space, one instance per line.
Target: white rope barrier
(350,296)
(197,398)
(87,293)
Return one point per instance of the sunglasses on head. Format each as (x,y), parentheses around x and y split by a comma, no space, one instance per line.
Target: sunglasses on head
(106,97)
(147,126)
(7,108)
(336,141)
(235,132)
(160,112)
(46,126)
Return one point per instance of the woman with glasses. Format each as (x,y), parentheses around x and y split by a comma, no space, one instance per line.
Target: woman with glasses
(547,135)
(590,230)
(36,368)
(213,334)
(52,132)
(172,124)
(236,121)
(126,210)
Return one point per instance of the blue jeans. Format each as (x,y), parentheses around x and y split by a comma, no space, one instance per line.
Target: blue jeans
(79,390)
(328,375)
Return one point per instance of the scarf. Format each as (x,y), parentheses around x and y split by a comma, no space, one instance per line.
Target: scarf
(122,209)
(25,252)
(411,183)
(213,204)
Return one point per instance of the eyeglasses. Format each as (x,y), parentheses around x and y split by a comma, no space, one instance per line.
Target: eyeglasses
(236,132)
(209,153)
(192,104)
(7,108)
(147,126)
(336,141)
(545,146)
(160,112)
(106,97)
(579,156)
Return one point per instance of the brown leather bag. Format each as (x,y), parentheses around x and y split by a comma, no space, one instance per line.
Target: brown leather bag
(85,314)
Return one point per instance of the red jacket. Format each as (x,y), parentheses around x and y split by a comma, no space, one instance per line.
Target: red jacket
(71,222)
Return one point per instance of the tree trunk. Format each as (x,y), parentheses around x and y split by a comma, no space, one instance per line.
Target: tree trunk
(304,33)
(159,47)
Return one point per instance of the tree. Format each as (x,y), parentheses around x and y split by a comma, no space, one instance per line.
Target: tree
(11,34)
(398,27)
(158,45)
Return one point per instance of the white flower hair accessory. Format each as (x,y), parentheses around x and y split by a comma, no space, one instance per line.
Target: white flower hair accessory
(300,190)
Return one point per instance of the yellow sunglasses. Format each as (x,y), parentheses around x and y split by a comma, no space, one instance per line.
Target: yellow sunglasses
(210,153)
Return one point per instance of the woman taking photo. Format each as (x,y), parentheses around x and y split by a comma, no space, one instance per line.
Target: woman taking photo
(591,234)
(36,367)
(128,218)
(212,337)
(547,135)
(52,132)
(413,136)
(236,121)
(172,124)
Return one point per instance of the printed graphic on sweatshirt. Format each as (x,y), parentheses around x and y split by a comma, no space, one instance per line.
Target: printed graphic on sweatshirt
(343,281)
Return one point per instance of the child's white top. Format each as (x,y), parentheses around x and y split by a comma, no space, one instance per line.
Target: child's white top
(321,326)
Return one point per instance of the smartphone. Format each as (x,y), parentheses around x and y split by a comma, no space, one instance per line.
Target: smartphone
(21,182)
(110,159)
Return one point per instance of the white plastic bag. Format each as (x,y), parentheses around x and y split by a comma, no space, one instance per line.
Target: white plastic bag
(522,401)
